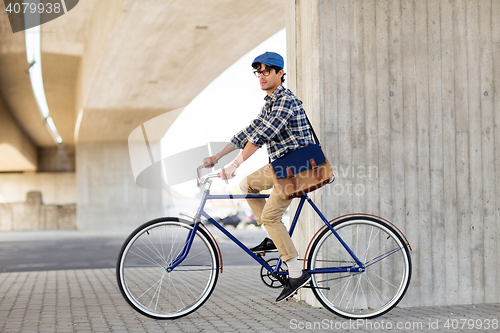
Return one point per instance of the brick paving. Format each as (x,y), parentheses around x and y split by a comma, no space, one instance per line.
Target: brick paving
(89,301)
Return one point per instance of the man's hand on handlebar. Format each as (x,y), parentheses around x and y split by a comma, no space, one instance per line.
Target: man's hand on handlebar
(224,174)
(227,173)
(210,162)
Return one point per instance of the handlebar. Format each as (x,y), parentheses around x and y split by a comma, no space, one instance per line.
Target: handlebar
(204,179)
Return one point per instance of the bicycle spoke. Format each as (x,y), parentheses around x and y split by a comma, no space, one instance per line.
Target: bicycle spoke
(371,240)
(364,296)
(157,251)
(150,260)
(356,286)
(338,252)
(154,285)
(158,289)
(161,246)
(387,282)
(145,252)
(180,298)
(182,281)
(172,252)
(348,282)
(382,249)
(377,291)
(382,256)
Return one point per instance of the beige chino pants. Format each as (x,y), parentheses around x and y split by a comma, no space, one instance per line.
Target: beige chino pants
(270,212)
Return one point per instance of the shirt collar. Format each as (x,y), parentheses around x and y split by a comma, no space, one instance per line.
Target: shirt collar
(274,95)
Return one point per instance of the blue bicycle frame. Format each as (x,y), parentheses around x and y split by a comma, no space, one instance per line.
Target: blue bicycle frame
(201,212)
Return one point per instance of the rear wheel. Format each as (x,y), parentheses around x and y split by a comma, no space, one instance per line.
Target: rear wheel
(385,256)
(142,273)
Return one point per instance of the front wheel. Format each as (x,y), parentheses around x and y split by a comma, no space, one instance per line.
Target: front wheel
(385,256)
(142,273)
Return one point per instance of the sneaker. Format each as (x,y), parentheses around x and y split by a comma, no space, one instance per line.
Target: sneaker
(267,245)
(292,285)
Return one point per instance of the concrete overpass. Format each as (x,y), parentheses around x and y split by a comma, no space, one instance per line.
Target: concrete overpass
(112,65)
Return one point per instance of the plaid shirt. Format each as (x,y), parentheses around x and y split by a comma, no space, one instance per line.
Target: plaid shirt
(281,124)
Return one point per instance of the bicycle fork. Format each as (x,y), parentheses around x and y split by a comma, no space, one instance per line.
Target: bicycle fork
(185,249)
(192,233)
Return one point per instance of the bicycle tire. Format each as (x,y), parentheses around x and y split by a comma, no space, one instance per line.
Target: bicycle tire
(373,292)
(142,276)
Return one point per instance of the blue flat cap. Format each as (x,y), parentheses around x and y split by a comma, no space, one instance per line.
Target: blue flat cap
(270,59)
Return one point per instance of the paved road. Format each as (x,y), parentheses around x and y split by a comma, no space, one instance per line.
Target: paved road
(89,301)
(67,250)
(62,254)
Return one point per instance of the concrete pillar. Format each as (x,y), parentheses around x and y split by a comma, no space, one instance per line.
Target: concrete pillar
(401,94)
(108,197)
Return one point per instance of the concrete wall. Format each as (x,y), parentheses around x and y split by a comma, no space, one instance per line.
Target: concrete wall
(17,152)
(56,159)
(56,188)
(34,201)
(33,214)
(403,95)
(108,197)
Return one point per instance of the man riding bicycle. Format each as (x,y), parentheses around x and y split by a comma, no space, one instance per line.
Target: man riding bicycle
(281,125)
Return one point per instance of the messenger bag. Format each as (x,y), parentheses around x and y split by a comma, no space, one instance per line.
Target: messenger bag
(302,170)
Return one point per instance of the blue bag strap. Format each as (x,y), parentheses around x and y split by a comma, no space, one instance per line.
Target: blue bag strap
(312,129)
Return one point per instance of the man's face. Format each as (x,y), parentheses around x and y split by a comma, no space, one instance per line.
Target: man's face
(272,81)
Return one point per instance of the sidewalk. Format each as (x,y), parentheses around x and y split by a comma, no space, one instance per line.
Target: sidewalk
(89,301)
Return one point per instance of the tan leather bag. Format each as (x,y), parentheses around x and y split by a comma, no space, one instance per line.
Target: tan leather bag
(296,185)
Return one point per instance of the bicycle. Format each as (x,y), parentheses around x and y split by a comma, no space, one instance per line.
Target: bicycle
(360,264)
